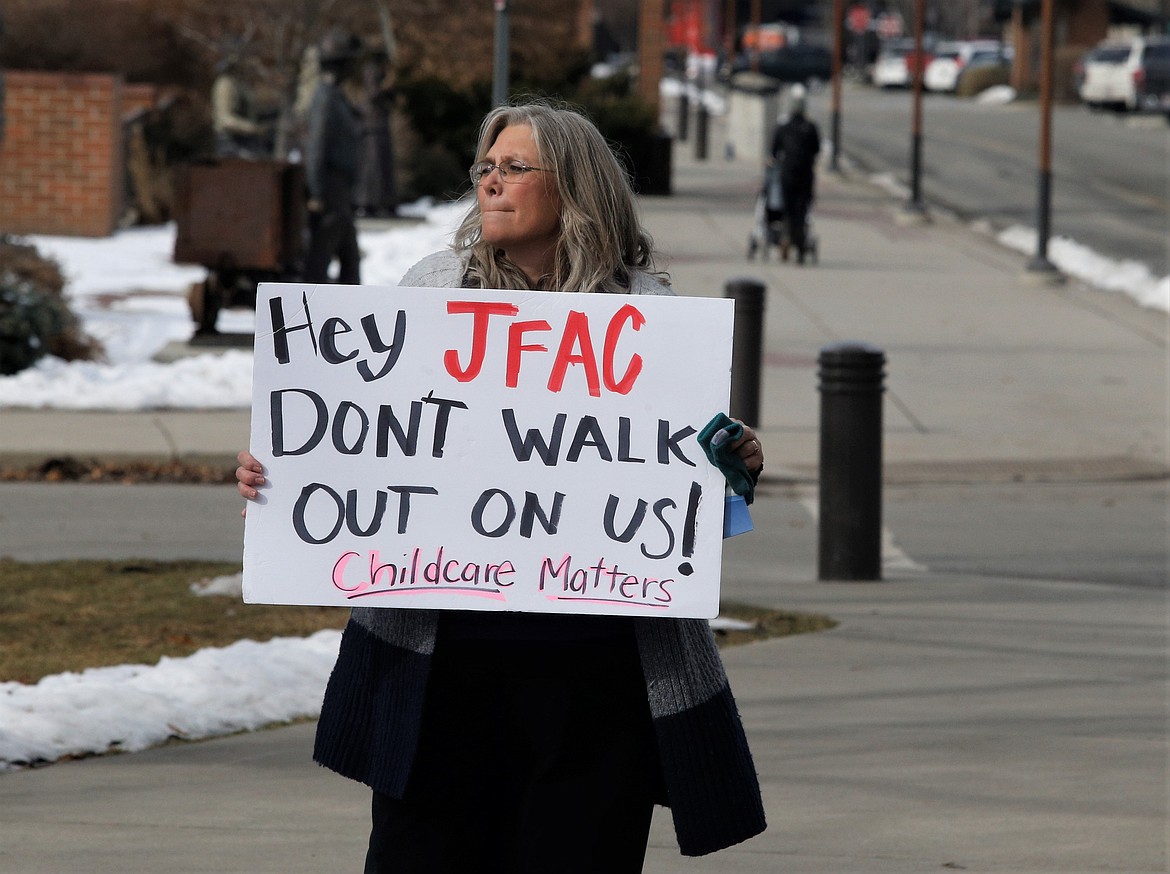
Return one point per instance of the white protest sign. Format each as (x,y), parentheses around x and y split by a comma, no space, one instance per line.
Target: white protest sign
(487,450)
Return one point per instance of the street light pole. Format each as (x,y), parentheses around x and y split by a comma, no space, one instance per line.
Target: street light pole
(500,62)
(838,24)
(1040,264)
(915,206)
(755,53)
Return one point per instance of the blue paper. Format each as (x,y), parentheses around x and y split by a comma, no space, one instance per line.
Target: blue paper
(737,518)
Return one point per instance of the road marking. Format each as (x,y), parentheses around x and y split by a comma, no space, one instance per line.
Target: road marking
(894,558)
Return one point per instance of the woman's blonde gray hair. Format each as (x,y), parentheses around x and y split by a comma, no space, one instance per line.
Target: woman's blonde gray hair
(601,241)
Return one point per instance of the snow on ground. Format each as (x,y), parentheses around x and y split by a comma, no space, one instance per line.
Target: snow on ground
(127,708)
(996,95)
(1130,278)
(1125,277)
(130,296)
(216,691)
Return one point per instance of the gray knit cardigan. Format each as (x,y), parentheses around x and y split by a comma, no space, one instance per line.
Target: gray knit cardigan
(372,712)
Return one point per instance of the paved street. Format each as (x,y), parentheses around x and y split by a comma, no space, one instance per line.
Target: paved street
(979,161)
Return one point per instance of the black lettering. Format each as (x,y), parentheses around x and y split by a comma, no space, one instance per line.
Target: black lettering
(624,442)
(588,434)
(329,332)
(339,418)
(660,505)
(298,521)
(481,505)
(281,330)
(534,440)
(668,443)
(404,493)
(388,422)
(532,511)
(370,326)
(351,520)
(692,520)
(441,416)
(276,413)
(635,521)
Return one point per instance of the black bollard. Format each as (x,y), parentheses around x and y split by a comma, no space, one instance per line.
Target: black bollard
(701,118)
(747,348)
(850,525)
(684,114)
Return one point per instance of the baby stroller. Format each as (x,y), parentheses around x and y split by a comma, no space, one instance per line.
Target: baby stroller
(768,229)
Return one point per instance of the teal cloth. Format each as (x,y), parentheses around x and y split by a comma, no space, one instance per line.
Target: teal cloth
(716,439)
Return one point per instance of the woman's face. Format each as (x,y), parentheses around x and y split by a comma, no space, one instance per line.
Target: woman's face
(521,216)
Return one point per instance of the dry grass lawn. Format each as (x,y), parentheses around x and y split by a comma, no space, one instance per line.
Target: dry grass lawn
(71,615)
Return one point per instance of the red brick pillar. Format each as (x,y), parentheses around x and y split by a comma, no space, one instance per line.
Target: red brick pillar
(61,163)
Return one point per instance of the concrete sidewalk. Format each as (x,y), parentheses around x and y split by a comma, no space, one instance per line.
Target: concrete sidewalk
(951,721)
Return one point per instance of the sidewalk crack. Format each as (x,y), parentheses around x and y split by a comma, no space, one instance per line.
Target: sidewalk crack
(166,434)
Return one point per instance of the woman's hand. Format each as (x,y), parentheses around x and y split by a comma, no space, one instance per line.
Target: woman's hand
(749,448)
(249,477)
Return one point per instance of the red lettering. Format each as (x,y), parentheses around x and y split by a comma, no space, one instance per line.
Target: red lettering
(630,314)
(576,347)
(576,336)
(516,333)
(481,311)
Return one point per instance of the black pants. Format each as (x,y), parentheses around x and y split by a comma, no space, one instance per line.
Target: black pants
(797,201)
(333,234)
(535,757)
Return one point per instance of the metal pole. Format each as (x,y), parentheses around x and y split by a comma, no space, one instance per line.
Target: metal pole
(756,33)
(747,348)
(701,123)
(850,503)
(500,71)
(1040,263)
(729,30)
(915,204)
(838,23)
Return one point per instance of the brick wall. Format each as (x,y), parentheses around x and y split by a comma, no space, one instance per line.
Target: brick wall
(61,165)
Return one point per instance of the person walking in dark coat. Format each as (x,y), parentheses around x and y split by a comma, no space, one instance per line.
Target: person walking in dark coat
(375,193)
(331,165)
(795,146)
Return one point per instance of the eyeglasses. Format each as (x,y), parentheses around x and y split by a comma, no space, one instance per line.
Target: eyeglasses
(510,171)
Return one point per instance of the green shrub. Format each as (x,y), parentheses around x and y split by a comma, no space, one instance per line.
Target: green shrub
(446,121)
(34,317)
(979,79)
(631,127)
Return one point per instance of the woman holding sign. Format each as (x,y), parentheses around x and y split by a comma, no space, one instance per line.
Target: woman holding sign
(524,742)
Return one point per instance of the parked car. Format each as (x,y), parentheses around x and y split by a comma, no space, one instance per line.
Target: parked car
(950,59)
(895,63)
(1131,74)
(798,62)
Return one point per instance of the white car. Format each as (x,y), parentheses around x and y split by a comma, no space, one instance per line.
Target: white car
(890,69)
(1126,74)
(950,59)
